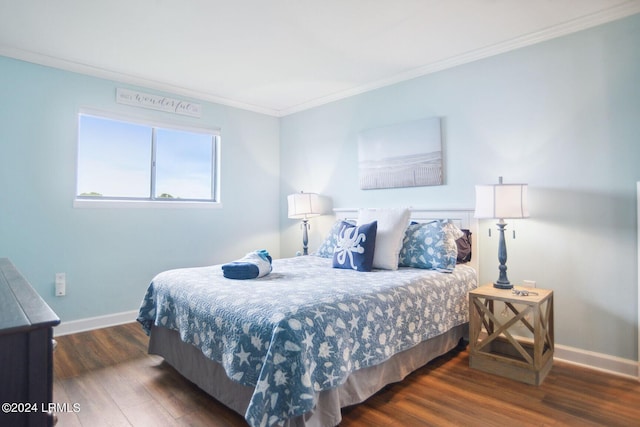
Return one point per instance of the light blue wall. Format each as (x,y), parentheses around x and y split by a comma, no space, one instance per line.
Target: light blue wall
(562,116)
(110,255)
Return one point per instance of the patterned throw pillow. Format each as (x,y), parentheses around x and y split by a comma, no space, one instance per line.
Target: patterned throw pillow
(430,245)
(355,246)
(329,245)
(423,245)
(451,234)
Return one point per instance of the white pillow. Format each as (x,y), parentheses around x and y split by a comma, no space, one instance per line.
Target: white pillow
(392,224)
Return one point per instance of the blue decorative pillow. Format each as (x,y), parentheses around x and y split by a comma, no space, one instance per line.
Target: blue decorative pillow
(423,245)
(429,245)
(327,247)
(355,246)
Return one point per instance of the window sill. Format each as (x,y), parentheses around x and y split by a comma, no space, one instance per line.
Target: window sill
(153,204)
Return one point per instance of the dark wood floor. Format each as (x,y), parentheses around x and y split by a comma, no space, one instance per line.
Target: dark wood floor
(115,382)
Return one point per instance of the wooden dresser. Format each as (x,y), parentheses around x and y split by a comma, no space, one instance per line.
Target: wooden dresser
(26,347)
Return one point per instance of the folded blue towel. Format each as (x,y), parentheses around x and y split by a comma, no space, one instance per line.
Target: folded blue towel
(252,265)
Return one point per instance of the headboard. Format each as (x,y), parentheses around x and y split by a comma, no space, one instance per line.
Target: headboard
(463,218)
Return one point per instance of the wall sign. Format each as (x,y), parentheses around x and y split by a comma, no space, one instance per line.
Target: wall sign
(156,102)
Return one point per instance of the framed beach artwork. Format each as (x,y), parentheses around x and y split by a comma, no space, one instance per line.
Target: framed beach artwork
(401,155)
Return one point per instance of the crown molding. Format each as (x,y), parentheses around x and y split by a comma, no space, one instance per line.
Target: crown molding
(618,12)
(89,70)
(627,9)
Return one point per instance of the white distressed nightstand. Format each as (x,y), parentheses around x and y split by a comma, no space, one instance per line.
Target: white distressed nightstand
(495,345)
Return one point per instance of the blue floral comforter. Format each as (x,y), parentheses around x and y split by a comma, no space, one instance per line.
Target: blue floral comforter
(306,326)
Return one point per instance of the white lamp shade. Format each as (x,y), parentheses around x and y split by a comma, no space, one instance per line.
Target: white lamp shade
(501,201)
(303,205)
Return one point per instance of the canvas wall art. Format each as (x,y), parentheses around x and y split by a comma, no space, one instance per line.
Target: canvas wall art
(401,155)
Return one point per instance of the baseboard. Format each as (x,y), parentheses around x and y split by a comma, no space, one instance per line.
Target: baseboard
(576,356)
(91,323)
(601,362)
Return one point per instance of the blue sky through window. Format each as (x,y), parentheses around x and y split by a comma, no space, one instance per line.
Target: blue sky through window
(114,160)
(183,164)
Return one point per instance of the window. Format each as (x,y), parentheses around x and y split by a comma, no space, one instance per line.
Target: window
(121,160)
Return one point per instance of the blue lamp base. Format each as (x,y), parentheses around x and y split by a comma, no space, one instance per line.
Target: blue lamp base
(305,237)
(503,281)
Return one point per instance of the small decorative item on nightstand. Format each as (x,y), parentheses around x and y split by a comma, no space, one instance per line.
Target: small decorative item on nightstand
(494,345)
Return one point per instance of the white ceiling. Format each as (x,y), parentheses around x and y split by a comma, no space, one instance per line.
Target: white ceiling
(281,56)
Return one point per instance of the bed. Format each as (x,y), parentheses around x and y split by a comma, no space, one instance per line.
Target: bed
(295,346)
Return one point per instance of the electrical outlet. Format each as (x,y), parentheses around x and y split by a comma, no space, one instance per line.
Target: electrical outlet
(61,284)
(529,283)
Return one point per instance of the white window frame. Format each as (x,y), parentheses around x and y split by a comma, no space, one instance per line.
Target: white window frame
(151,202)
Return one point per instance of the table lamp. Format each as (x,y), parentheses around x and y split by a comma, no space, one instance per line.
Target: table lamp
(502,201)
(304,206)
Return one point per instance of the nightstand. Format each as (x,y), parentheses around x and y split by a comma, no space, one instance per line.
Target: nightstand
(496,341)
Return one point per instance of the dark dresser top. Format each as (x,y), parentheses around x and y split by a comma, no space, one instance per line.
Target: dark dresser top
(21,308)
